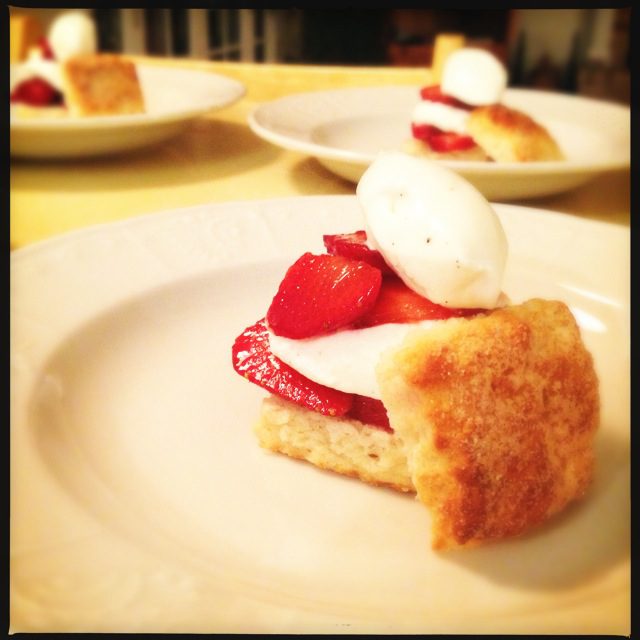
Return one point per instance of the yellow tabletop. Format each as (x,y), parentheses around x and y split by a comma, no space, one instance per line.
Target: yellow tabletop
(218,158)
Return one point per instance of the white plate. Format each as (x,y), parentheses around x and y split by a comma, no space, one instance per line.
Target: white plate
(141,501)
(345,128)
(173,97)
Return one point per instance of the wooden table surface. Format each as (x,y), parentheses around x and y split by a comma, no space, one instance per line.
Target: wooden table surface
(218,158)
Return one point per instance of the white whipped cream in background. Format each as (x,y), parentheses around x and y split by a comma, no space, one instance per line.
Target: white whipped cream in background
(72,33)
(35,66)
(474,76)
(435,230)
(345,360)
(440,115)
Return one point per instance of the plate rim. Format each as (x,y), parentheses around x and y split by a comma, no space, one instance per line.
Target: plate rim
(151,221)
(156,216)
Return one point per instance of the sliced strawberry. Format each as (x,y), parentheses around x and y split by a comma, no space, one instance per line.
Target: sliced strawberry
(398,303)
(434,94)
(252,358)
(441,141)
(354,245)
(450,141)
(322,293)
(424,131)
(36,92)
(370,411)
(45,49)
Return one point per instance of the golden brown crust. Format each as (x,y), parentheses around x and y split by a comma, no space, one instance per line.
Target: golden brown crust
(101,84)
(498,415)
(508,135)
(344,446)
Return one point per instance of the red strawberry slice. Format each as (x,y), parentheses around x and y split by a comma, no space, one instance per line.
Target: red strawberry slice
(398,303)
(252,358)
(449,141)
(370,411)
(36,92)
(434,94)
(354,245)
(441,141)
(424,131)
(45,49)
(322,293)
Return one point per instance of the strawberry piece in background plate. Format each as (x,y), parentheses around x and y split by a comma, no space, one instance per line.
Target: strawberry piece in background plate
(36,92)
(354,245)
(441,141)
(449,141)
(252,358)
(322,293)
(45,49)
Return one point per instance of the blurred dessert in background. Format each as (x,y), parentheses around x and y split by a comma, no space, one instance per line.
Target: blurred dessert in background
(64,75)
(461,115)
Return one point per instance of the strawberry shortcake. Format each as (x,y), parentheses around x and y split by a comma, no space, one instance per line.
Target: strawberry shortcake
(463,118)
(64,76)
(395,357)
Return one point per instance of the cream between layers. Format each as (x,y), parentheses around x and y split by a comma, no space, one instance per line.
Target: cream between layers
(345,360)
(440,115)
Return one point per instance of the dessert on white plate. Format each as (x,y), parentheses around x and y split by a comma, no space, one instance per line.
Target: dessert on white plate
(396,358)
(65,76)
(463,116)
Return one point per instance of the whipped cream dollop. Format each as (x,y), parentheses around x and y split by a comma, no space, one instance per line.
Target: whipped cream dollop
(443,116)
(474,76)
(70,34)
(435,230)
(345,360)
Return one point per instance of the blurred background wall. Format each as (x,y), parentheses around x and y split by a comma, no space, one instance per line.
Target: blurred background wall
(582,51)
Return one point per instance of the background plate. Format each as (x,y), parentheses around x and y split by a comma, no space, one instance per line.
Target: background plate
(345,128)
(141,501)
(173,97)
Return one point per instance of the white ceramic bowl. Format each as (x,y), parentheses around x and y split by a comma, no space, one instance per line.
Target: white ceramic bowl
(345,128)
